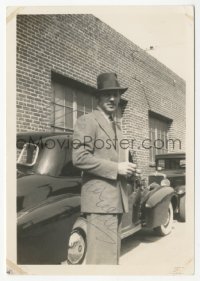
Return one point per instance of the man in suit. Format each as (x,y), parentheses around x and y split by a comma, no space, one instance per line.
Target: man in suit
(105,168)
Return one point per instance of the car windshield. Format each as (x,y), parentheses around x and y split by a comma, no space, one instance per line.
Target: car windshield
(171,164)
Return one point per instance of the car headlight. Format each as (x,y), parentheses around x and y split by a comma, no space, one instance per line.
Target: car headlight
(165,182)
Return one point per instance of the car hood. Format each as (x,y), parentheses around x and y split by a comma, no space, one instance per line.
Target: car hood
(169,173)
(174,173)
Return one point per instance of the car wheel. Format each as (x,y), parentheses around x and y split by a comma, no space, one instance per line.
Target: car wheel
(166,228)
(182,209)
(77,247)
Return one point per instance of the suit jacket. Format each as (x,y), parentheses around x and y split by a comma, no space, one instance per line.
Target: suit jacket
(103,190)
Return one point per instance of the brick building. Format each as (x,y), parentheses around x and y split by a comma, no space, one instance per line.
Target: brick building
(58,59)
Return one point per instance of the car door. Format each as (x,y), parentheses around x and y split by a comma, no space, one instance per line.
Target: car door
(131,219)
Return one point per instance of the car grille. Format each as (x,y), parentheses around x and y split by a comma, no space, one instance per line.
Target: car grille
(156,179)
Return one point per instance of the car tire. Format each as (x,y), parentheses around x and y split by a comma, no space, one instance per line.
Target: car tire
(166,228)
(182,209)
(76,253)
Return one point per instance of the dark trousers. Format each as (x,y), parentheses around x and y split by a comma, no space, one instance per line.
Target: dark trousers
(103,238)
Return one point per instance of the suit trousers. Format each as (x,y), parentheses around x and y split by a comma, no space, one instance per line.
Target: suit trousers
(103,238)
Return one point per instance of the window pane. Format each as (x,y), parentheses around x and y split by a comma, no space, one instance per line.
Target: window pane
(70,104)
(154,152)
(159,135)
(151,155)
(88,110)
(161,163)
(63,95)
(59,91)
(163,140)
(80,101)
(88,103)
(59,116)
(68,117)
(158,132)
(153,136)
(69,96)
(79,113)
(84,102)
(94,103)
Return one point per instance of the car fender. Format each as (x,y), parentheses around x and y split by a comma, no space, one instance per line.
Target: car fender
(38,227)
(80,223)
(156,207)
(47,212)
(159,196)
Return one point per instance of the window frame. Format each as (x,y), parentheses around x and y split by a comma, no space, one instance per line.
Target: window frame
(76,88)
(160,132)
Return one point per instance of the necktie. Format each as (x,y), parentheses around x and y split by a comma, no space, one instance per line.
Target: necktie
(113,124)
(110,118)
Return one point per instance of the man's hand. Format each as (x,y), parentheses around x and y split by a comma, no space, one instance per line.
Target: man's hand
(126,168)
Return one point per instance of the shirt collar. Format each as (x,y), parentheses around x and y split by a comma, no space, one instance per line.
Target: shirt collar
(104,114)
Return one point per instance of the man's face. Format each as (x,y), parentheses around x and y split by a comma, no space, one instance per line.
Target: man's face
(109,100)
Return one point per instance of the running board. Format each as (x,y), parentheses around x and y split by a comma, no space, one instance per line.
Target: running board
(131,231)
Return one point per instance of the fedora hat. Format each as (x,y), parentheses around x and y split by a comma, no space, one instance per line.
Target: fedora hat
(108,81)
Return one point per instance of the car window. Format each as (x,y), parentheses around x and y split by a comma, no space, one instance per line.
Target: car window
(28,154)
(171,164)
(56,161)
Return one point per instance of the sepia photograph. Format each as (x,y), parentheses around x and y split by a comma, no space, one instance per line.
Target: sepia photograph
(102,106)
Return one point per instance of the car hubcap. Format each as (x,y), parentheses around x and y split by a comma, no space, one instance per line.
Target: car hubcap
(76,250)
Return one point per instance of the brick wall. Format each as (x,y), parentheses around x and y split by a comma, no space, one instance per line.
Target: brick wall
(80,47)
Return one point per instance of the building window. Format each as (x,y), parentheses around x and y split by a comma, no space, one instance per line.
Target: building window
(69,103)
(158,135)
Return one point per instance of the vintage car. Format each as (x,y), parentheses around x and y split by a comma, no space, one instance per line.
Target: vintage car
(171,167)
(50,227)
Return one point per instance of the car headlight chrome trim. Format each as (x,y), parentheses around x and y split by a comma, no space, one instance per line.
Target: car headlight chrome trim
(165,182)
